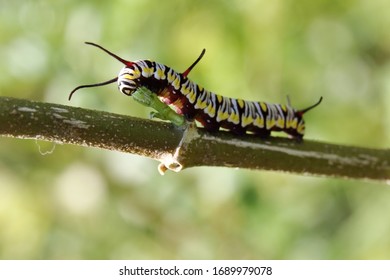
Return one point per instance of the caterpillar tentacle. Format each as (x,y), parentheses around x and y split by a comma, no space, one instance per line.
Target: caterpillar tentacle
(194,102)
(185,73)
(92,85)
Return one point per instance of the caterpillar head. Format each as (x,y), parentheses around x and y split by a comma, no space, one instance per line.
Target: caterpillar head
(127,77)
(128,80)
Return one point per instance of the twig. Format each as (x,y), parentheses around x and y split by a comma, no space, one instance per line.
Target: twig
(177,149)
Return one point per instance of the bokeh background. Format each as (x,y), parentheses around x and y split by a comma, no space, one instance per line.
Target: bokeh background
(70,202)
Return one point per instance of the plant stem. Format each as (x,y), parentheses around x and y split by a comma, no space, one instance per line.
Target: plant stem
(178,148)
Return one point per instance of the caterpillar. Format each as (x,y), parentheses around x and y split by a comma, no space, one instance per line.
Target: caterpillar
(194,102)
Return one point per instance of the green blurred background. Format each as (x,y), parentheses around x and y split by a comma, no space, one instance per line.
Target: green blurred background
(77,202)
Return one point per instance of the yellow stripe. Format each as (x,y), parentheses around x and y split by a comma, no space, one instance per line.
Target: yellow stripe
(210,110)
(288,123)
(191,97)
(200,104)
(128,77)
(134,74)
(234,118)
(280,122)
(270,123)
(222,115)
(159,74)
(147,72)
(240,103)
(259,122)
(301,128)
(263,106)
(171,76)
(246,120)
(294,123)
(185,89)
(176,83)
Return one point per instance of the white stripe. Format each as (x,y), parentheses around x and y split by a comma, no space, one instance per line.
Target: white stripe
(235,108)
(159,67)
(184,86)
(259,112)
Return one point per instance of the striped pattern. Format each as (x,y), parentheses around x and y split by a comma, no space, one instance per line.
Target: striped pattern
(194,102)
(211,110)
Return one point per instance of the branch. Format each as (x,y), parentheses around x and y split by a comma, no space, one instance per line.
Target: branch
(179,148)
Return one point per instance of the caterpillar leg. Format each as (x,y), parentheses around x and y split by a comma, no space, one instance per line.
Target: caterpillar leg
(262,133)
(295,136)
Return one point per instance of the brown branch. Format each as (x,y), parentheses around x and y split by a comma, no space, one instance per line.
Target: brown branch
(178,148)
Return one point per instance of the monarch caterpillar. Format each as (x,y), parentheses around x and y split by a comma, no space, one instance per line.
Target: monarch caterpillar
(194,102)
